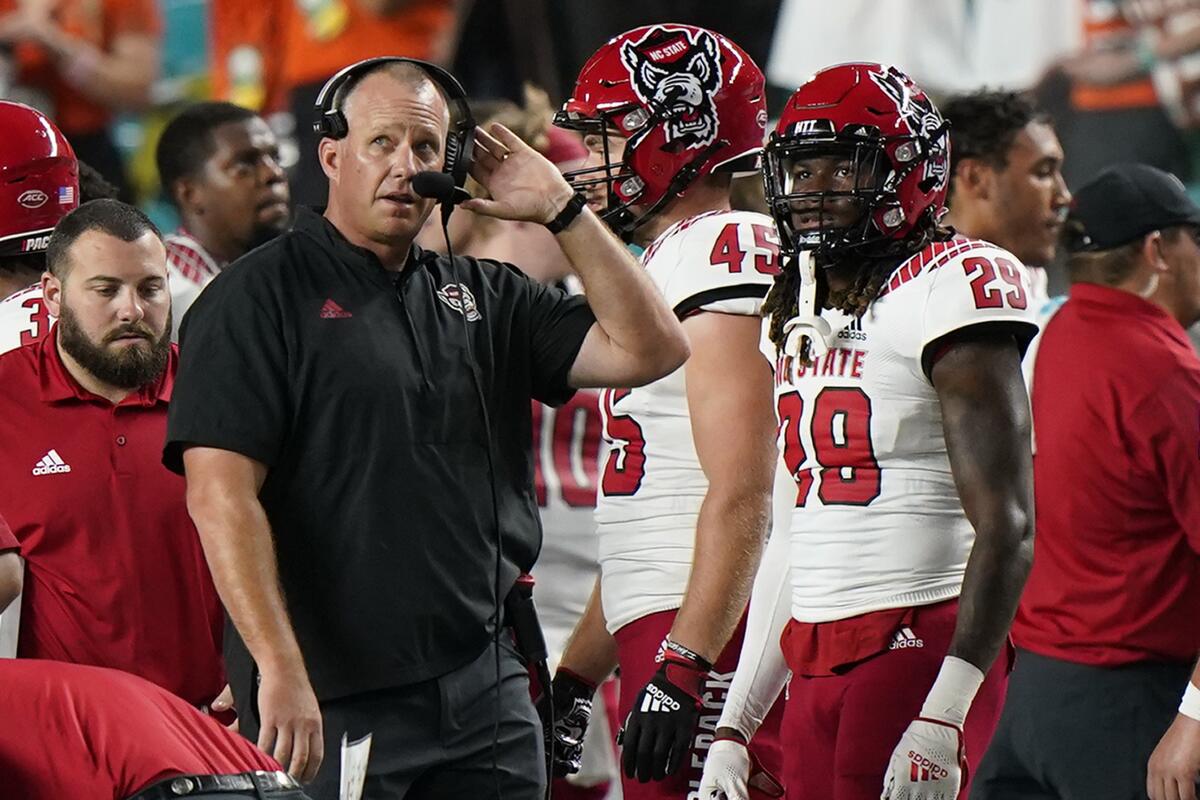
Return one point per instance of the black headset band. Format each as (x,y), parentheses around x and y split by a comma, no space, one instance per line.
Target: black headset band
(327,97)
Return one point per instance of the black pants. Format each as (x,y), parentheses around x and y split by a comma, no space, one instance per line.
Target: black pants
(434,739)
(1074,732)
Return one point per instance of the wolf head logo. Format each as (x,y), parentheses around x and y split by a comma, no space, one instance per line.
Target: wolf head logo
(923,120)
(678,75)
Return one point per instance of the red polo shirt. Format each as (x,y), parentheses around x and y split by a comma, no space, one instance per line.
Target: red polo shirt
(114,573)
(1116,407)
(87,733)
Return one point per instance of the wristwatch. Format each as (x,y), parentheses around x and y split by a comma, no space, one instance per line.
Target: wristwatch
(568,214)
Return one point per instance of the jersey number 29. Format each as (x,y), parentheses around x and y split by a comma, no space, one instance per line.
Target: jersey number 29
(843,452)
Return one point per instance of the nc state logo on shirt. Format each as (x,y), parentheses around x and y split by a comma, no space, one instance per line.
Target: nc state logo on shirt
(459,298)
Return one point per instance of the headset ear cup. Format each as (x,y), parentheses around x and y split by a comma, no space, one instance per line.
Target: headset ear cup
(330,124)
(338,128)
(463,157)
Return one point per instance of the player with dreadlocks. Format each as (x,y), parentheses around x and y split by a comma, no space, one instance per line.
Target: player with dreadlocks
(903,509)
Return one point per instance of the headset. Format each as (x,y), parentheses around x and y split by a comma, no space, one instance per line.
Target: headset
(460,139)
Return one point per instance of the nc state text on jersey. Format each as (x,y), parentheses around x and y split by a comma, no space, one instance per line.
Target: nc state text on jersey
(837,363)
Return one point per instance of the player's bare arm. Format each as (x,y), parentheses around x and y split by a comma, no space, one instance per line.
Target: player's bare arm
(591,652)
(636,338)
(12,575)
(588,659)
(222,498)
(985,416)
(733,425)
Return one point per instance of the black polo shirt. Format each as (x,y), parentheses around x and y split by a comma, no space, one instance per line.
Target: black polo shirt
(353,386)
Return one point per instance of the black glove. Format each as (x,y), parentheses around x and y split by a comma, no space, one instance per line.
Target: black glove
(658,732)
(572,711)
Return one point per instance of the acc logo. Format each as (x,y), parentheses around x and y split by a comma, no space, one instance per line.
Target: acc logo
(35,244)
(33,198)
(461,300)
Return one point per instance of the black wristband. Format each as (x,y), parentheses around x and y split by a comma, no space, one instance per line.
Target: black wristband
(565,217)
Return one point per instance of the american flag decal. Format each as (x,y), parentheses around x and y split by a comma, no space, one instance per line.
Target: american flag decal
(66,195)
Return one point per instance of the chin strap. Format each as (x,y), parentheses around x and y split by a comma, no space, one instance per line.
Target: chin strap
(807,334)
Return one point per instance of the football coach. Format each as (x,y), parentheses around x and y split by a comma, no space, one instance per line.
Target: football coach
(352,414)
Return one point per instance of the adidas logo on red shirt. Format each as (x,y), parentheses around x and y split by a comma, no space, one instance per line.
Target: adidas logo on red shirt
(332,310)
(51,464)
(904,639)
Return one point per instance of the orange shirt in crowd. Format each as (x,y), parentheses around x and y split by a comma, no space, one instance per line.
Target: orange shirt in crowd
(1105,20)
(100,22)
(262,50)
(330,34)
(245,47)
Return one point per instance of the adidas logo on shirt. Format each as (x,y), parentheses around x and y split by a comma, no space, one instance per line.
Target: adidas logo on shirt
(658,700)
(332,310)
(904,639)
(50,464)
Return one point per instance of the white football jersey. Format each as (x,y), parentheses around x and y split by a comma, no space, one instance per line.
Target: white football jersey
(878,522)
(24,318)
(652,485)
(189,269)
(566,449)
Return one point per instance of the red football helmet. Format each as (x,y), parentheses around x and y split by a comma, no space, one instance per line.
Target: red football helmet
(893,150)
(688,101)
(39,179)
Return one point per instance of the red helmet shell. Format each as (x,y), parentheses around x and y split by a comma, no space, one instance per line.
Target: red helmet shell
(872,102)
(39,179)
(688,100)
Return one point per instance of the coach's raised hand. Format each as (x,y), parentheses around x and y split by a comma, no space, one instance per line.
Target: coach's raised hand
(522,183)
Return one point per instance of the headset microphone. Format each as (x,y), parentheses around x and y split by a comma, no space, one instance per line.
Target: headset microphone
(440,186)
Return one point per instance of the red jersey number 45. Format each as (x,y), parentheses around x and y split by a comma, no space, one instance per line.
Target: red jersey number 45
(764,247)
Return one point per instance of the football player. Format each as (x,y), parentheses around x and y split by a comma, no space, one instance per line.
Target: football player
(1006,182)
(670,114)
(39,185)
(220,167)
(904,522)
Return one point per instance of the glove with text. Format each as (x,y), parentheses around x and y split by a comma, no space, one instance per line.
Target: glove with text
(930,763)
(658,732)
(572,712)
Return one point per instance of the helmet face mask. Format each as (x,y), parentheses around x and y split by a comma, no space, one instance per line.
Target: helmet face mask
(687,101)
(611,184)
(858,164)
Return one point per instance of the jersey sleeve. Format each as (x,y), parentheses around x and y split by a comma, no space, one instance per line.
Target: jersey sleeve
(24,319)
(978,286)
(723,262)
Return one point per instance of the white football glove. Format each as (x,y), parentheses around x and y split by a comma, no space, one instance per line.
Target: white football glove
(726,770)
(928,764)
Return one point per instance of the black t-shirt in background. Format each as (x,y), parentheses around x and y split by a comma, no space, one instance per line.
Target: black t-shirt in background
(353,386)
